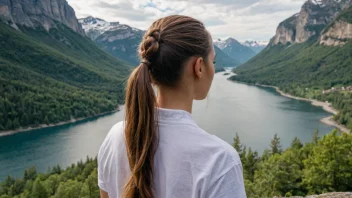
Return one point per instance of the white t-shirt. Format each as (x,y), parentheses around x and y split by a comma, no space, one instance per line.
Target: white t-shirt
(189,162)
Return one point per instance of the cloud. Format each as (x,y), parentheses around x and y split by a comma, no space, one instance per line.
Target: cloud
(240,19)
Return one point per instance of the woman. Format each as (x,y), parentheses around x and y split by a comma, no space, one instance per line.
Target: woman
(159,151)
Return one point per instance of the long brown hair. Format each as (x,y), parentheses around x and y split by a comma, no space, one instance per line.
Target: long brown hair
(165,47)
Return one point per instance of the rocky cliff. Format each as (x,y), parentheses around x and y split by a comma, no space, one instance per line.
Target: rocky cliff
(39,13)
(339,31)
(314,16)
(286,31)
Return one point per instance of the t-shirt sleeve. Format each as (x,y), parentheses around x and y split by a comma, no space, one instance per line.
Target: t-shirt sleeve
(107,160)
(229,185)
(101,170)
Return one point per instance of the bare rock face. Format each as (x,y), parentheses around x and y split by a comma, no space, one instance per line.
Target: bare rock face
(36,13)
(337,35)
(314,16)
(286,31)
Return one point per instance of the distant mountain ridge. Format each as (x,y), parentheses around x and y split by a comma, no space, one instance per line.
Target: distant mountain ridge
(117,39)
(235,49)
(223,60)
(256,46)
(122,41)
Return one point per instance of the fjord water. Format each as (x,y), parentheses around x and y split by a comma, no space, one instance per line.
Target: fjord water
(256,114)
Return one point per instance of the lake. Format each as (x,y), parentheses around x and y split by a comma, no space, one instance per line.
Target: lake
(256,114)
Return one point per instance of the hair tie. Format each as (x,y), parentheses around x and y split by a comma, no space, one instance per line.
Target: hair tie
(147,63)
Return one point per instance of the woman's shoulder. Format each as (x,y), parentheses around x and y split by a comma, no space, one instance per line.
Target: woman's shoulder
(226,152)
(113,142)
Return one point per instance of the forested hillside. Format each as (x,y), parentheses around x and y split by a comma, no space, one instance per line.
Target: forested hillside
(49,77)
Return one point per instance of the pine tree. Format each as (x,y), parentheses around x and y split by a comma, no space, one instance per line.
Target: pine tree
(9,125)
(296,143)
(16,123)
(275,145)
(38,190)
(237,144)
(315,137)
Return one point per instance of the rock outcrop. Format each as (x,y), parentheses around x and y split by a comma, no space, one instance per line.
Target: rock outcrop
(286,31)
(339,31)
(39,13)
(337,34)
(314,16)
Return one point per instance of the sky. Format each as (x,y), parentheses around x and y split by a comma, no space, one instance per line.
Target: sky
(240,19)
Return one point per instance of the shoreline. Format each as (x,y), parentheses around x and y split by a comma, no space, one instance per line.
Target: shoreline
(43,126)
(325,105)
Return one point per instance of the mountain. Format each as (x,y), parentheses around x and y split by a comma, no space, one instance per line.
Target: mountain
(39,13)
(122,41)
(306,57)
(235,49)
(314,16)
(223,60)
(49,71)
(256,46)
(310,52)
(117,39)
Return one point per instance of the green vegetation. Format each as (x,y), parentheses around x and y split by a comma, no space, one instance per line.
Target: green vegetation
(50,77)
(346,15)
(78,180)
(322,165)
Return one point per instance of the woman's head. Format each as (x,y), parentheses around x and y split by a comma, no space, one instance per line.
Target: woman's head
(176,52)
(179,48)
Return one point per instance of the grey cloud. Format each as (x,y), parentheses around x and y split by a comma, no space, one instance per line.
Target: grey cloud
(123,10)
(213,22)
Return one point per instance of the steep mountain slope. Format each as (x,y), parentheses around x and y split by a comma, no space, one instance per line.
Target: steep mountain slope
(304,64)
(54,75)
(256,46)
(119,40)
(235,49)
(223,60)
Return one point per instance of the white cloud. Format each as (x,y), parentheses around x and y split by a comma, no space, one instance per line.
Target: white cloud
(240,19)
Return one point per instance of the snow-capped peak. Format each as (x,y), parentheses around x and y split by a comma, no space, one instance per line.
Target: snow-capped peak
(92,23)
(224,43)
(96,26)
(252,43)
(321,3)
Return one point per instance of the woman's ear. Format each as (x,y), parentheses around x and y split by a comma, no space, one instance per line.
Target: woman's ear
(198,67)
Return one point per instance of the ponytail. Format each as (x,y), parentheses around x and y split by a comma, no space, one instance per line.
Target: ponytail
(141,133)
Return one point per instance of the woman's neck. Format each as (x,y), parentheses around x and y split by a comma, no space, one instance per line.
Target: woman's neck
(175,99)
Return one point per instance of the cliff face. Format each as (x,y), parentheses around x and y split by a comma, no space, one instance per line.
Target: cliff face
(337,34)
(314,16)
(36,13)
(339,31)
(286,32)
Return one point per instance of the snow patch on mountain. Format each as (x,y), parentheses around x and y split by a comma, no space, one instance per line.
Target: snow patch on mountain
(251,43)
(95,27)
